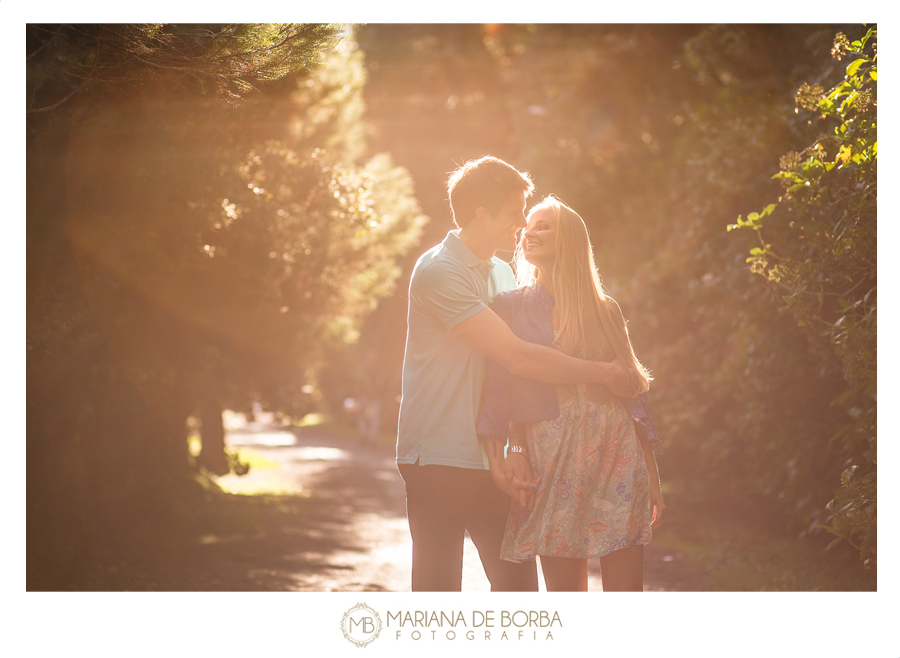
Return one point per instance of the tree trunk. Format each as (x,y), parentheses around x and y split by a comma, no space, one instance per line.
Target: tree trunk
(212,432)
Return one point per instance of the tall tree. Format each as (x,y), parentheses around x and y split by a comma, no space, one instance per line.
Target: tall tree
(201,225)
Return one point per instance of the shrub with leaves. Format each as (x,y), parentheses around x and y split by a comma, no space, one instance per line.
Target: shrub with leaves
(820,249)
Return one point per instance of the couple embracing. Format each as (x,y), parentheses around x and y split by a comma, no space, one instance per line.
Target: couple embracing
(524,418)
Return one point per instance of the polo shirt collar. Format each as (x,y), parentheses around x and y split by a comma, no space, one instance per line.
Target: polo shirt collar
(459,248)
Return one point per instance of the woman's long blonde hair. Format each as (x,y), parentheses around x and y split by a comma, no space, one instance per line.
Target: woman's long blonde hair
(587,315)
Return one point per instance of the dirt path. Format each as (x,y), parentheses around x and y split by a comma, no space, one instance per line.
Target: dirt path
(341,523)
(330,516)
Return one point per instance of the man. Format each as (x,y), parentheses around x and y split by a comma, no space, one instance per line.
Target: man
(448,473)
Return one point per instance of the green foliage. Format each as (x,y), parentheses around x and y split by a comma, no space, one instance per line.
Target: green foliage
(657,135)
(187,252)
(824,261)
(168,236)
(322,235)
(67,59)
(321,230)
(853,513)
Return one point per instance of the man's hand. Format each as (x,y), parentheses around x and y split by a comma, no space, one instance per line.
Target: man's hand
(517,485)
(517,470)
(616,378)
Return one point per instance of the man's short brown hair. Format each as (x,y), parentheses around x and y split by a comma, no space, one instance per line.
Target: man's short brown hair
(484,183)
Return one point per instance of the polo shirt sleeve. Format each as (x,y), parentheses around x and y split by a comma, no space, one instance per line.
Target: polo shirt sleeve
(446,293)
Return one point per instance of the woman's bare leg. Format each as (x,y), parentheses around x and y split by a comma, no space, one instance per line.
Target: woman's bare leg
(565,574)
(622,570)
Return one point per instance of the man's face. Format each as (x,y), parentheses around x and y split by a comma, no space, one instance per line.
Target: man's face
(502,228)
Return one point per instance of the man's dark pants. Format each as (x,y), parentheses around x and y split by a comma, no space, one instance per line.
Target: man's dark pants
(442,503)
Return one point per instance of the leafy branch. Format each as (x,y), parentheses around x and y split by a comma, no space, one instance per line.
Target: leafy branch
(825,225)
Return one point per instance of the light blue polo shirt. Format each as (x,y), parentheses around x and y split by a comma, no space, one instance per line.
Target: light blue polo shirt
(443,374)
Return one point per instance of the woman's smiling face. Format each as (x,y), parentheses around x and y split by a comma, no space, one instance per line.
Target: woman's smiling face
(539,238)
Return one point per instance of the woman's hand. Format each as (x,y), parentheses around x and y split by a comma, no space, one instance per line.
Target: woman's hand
(657,504)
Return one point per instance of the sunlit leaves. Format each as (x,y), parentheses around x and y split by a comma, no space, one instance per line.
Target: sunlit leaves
(851,69)
(202,240)
(828,271)
(331,228)
(754,219)
(229,59)
(808,96)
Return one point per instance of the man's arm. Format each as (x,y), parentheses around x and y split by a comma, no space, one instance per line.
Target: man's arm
(491,336)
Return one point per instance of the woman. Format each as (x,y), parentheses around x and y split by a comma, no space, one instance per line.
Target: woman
(595,491)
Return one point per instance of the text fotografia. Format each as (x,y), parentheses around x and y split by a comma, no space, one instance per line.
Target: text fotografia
(480,625)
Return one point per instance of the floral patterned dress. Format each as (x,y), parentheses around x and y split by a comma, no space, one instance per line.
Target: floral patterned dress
(594,494)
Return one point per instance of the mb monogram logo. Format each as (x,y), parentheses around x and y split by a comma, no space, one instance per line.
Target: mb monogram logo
(361,625)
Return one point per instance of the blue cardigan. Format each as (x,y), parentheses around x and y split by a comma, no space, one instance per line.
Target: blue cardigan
(506,397)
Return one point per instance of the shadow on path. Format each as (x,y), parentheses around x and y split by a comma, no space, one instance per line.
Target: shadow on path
(316,512)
